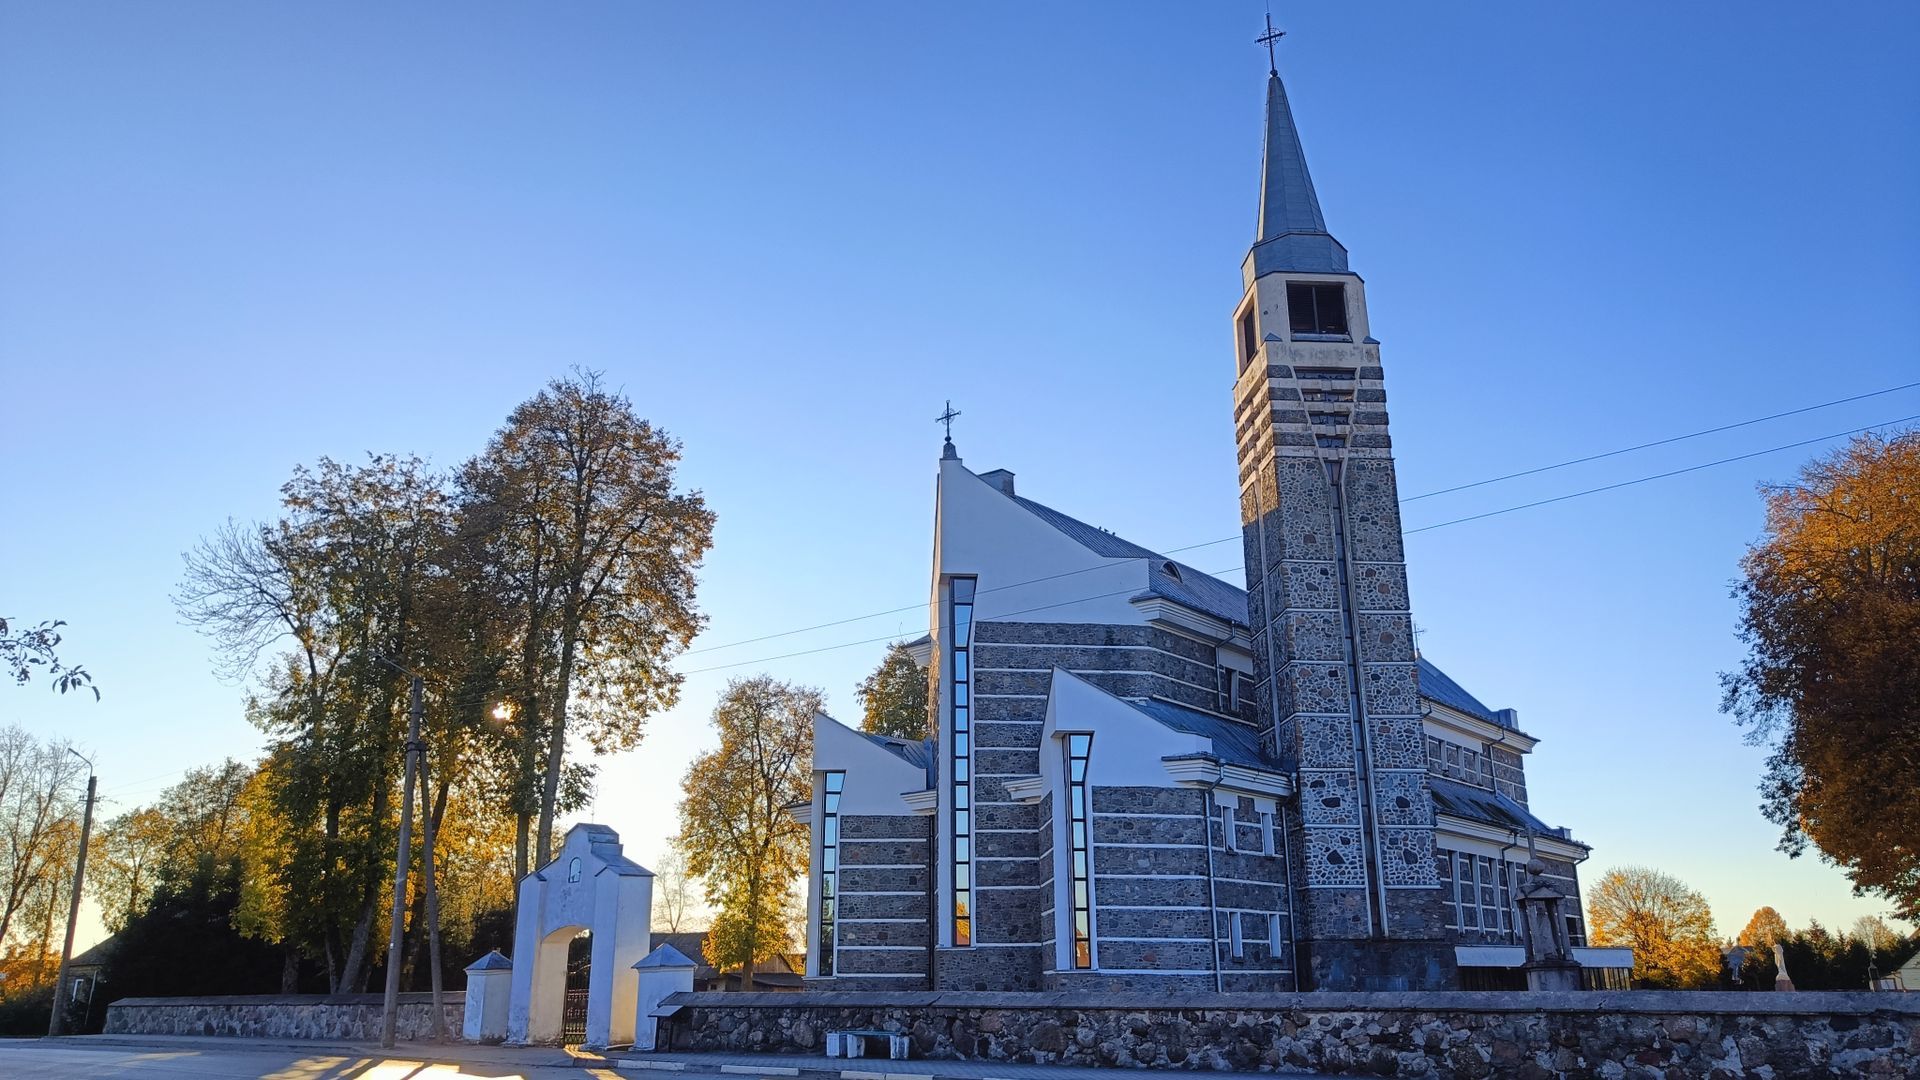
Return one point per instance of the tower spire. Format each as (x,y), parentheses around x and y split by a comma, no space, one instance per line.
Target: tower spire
(1291,234)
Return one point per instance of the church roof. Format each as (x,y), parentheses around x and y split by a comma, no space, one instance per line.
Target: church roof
(1292,234)
(1438,686)
(1233,743)
(1487,807)
(1166,577)
(924,753)
(1197,589)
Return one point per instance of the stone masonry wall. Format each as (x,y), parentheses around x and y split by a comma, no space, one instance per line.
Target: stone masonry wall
(1445,1036)
(350,1017)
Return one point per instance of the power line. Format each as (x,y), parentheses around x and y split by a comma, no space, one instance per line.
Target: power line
(1421,529)
(1658,442)
(1658,476)
(1235,537)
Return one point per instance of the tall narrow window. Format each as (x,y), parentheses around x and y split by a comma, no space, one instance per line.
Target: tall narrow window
(1266,834)
(1078,749)
(1316,307)
(1489,897)
(1227,829)
(1249,343)
(960,739)
(830,788)
(1443,862)
(1236,935)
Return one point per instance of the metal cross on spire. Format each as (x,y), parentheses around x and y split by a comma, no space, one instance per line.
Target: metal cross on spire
(947,419)
(1269,39)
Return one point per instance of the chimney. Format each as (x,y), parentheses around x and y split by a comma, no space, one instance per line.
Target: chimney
(1000,478)
(1508,718)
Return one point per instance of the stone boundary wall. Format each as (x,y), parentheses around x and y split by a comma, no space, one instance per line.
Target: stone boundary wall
(351,1017)
(1444,1035)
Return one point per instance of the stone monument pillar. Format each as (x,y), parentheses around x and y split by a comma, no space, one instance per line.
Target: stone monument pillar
(489,981)
(663,972)
(1550,964)
(1781,981)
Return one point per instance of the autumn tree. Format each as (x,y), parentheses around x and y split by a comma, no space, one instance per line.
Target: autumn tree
(676,894)
(124,861)
(592,549)
(338,580)
(894,697)
(1830,615)
(38,782)
(1667,924)
(738,836)
(1874,932)
(36,649)
(1764,930)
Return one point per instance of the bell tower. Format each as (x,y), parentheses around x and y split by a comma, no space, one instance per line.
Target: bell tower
(1327,598)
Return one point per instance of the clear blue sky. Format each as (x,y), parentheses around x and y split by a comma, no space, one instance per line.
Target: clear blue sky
(236,237)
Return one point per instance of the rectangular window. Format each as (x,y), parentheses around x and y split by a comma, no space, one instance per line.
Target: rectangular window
(1266,834)
(1506,896)
(1489,897)
(1079,749)
(1443,863)
(830,787)
(1463,891)
(959,732)
(1273,937)
(1317,307)
(1227,828)
(1236,937)
(1249,341)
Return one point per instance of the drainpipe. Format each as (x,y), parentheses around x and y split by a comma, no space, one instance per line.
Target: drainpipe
(1213,905)
(1293,902)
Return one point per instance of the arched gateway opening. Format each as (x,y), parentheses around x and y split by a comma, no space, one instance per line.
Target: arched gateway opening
(593,893)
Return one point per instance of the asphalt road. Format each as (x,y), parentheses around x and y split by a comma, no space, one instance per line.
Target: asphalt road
(32,1060)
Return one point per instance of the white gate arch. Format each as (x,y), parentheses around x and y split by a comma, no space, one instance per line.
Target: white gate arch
(588,886)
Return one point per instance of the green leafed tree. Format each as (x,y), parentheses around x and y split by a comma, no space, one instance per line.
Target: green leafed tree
(734,825)
(35,649)
(894,697)
(1830,614)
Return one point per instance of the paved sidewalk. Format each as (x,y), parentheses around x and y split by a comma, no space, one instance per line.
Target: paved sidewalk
(822,1067)
(451,1053)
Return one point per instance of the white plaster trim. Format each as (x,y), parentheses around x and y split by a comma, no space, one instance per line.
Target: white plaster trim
(922,802)
(915,892)
(997,888)
(1125,814)
(1233,779)
(1134,971)
(883,866)
(874,975)
(1250,881)
(844,947)
(1028,789)
(1190,622)
(1453,721)
(1149,907)
(1467,829)
(846,920)
(1157,940)
(884,839)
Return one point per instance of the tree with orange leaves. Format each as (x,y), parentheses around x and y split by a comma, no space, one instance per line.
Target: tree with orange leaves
(1830,603)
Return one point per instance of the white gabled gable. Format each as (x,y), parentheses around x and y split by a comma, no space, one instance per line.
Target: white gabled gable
(981,531)
(877,778)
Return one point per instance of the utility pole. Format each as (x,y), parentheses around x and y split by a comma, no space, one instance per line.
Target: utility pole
(57,1023)
(391,1011)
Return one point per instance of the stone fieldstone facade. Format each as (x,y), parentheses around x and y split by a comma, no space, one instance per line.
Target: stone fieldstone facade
(345,1017)
(1444,1036)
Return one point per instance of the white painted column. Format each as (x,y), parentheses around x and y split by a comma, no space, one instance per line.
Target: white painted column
(489,981)
(665,971)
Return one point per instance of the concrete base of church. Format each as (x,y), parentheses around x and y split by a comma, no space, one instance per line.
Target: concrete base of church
(1378,965)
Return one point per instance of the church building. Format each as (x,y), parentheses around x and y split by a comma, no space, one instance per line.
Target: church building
(1145,778)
